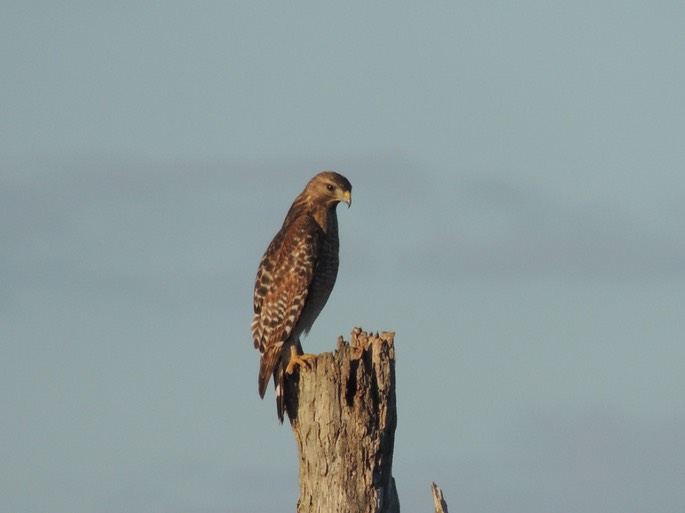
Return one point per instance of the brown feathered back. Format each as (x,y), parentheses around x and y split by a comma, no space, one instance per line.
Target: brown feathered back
(296,276)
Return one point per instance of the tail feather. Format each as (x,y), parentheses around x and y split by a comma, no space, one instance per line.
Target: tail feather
(279,387)
(272,363)
(267,365)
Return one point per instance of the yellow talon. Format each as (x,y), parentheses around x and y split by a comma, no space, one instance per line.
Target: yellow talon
(298,359)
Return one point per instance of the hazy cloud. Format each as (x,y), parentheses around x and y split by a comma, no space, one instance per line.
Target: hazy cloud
(494,229)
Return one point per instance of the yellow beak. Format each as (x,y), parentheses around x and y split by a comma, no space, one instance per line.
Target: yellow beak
(347,198)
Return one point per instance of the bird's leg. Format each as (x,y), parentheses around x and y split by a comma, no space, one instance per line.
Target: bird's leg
(298,359)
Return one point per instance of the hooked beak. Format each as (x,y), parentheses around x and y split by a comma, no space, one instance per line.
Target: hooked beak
(347,198)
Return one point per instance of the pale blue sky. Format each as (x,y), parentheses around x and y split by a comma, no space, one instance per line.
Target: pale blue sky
(517,218)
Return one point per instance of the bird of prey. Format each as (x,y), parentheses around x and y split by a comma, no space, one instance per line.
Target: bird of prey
(295,278)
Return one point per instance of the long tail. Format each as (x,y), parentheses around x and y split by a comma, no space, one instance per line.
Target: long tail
(272,363)
(268,363)
(279,386)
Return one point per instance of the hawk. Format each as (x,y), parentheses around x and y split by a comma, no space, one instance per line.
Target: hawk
(295,278)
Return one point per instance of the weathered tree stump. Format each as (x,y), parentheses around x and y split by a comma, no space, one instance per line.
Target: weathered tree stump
(438,499)
(343,414)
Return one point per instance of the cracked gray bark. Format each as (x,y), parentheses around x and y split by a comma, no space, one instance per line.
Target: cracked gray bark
(343,415)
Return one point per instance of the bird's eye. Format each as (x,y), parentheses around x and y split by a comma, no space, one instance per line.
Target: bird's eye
(330,187)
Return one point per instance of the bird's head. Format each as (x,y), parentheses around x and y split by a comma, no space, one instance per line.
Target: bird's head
(330,188)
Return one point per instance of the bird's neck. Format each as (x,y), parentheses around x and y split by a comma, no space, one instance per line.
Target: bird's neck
(325,217)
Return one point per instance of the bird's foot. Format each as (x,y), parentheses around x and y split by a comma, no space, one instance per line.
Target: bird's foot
(298,359)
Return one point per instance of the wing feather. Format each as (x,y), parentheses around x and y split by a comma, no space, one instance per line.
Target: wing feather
(283,279)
